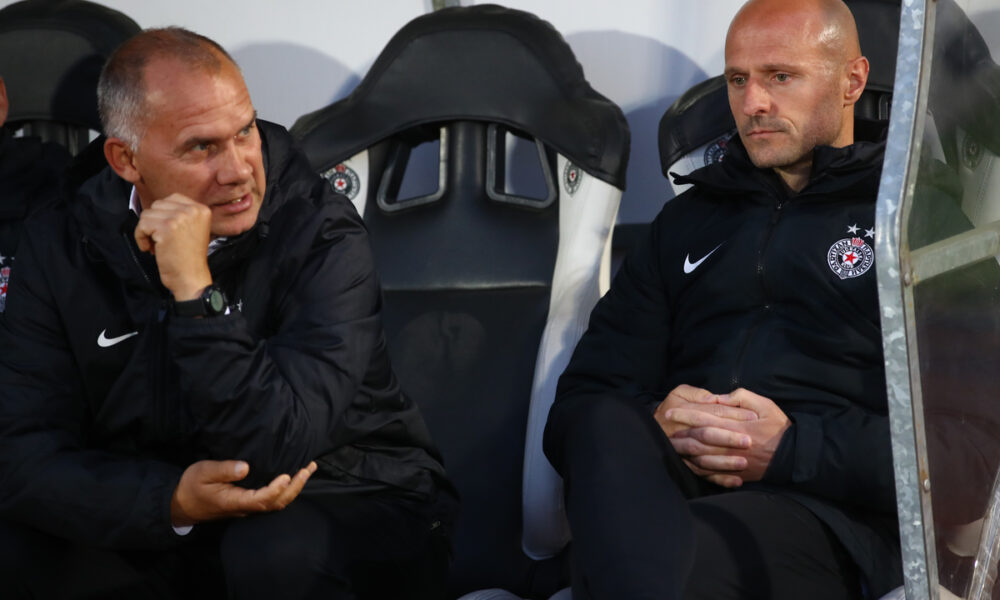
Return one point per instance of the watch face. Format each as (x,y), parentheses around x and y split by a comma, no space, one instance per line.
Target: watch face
(216,301)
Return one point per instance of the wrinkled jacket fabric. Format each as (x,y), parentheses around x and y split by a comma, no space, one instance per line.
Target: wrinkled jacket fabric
(741,285)
(105,396)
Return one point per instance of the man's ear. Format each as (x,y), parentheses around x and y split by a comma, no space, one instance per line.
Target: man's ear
(857,77)
(121,158)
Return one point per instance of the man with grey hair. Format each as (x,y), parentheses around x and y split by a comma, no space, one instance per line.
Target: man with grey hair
(722,426)
(197,398)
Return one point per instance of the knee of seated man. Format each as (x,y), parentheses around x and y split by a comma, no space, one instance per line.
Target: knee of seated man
(283,545)
(36,564)
(588,426)
(23,549)
(769,546)
(307,551)
(599,416)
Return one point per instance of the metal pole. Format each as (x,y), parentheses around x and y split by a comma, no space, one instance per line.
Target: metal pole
(895,287)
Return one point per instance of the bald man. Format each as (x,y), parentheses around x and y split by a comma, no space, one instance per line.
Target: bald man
(722,427)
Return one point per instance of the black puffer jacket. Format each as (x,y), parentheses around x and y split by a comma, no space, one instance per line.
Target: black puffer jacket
(105,396)
(739,284)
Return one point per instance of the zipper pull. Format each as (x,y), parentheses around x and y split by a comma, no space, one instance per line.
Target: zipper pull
(777,211)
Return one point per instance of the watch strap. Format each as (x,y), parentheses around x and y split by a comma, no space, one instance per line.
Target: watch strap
(211,302)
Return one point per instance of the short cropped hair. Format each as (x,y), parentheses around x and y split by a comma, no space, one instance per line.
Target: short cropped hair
(121,90)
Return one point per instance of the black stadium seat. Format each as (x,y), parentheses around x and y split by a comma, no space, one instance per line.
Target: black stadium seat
(51,54)
(487,287)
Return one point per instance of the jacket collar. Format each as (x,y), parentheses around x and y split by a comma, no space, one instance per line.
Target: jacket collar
(848,170)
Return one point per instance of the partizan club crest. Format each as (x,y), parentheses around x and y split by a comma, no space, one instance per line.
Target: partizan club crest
(716,150)
(571,178)
(851,257)
(343,180)
(4,277)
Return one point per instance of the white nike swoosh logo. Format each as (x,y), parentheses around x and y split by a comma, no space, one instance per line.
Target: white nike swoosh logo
(691,266)
(106,342)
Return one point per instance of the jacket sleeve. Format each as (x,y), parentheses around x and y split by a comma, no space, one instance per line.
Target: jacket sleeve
(845,457)
(49,478)
(282,400)
(623,352)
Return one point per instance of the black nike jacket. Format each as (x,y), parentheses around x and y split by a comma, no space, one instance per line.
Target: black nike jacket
(741,284)
(105,396)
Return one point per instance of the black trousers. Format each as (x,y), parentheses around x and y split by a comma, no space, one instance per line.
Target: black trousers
(644,526)
(340,547)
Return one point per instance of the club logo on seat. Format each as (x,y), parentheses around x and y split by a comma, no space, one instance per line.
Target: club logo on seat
(571,178)
(851,257)
(972,152)
(343,180)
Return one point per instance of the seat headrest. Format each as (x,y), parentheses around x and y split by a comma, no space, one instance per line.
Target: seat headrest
(480,63)
(51,55)
(965,88)
(878,32)
(698,117)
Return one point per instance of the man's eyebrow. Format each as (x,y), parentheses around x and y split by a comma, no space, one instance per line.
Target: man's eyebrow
(194,141)
(250,124)
(769,67)
(779,67)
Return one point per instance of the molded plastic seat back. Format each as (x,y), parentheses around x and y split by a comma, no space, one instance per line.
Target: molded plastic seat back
(965,102)
(51,55)
(488,281)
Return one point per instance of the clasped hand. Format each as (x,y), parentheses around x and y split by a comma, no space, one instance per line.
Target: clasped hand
(728,439)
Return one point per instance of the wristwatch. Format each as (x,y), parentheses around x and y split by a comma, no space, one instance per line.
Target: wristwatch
(212,302)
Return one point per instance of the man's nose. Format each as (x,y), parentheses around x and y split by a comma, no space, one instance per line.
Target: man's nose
(234,165)
(756,99)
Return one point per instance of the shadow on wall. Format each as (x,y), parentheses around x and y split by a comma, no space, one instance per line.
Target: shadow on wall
(288,80)
(644,76)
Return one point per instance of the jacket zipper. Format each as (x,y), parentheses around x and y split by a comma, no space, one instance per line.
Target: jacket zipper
(137,262)
(738,364)
(775,216)
(169,417)
(168,420)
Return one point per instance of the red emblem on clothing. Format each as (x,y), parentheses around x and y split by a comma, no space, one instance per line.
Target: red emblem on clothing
(4,277)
